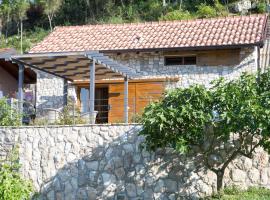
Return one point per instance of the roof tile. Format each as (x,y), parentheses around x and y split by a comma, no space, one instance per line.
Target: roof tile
(175,34)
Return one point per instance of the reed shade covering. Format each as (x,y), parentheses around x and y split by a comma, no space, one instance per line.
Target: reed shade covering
(75,65)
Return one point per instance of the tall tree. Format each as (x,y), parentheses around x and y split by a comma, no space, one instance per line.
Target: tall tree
(6,9)
(51,7)
(20,8)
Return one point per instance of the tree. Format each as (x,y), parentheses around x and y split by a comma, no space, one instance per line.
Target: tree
(176,15)
(5,10)
(206,11)
(20,8)
(51,7)
(231,115)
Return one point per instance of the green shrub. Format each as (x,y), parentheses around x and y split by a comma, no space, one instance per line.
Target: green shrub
(206,11)
(12,185)
(8,115)
(70,115)
(176,15)
(261,7)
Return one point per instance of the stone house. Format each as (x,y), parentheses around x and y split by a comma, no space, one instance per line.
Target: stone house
(162,54)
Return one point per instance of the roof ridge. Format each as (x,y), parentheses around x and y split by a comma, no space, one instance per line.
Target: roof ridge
(161,22)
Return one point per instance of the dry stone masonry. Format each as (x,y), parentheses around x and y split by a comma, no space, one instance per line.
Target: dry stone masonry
(106,162)
(152,64)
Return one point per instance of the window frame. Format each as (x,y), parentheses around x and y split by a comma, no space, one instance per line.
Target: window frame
(179,56)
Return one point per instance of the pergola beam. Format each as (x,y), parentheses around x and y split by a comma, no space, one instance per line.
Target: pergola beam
(15,60)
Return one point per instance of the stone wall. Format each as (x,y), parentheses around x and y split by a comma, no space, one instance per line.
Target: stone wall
(106,162)
(49,91)
(152,64)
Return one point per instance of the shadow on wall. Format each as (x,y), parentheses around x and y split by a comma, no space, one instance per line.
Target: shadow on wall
(43,102)
(113,167)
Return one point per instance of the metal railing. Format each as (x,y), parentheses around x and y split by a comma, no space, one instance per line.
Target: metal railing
(109,110)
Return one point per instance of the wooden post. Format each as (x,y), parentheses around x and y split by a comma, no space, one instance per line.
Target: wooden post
(20,88)
(92,93)
(126,100)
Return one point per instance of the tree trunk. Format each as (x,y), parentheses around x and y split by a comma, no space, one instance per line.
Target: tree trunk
(180,4)
(164,3)
(21,35)
(220,175)
(50,22)
(1,29)
(6,34)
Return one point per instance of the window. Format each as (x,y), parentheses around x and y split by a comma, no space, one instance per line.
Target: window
(180,60)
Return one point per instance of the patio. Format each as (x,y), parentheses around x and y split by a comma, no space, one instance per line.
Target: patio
(76,66)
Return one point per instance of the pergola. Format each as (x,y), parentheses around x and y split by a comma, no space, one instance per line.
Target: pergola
(71,66)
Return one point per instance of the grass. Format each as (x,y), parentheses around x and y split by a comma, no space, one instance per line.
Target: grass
(252,193)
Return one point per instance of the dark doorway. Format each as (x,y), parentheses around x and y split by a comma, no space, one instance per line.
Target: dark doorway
(102,104)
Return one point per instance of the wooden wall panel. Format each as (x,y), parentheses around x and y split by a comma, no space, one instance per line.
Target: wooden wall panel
(140,94)
(116,101)
(146,93)
(222,57)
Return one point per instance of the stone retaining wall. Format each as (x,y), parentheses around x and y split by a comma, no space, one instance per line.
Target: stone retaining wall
(106,162)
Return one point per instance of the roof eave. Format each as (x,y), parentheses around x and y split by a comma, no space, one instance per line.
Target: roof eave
(237,46)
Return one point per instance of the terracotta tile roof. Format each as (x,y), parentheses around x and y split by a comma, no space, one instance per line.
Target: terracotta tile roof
(242,30)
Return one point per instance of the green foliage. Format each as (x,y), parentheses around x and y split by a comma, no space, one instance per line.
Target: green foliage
(206,11)
(234,193)
(50,9)
(177,15)
(20,8)
(261,7)
(12,184)
(179,119)
(30,38)
(70,115)
(183,114)
(8,116)
(236,111)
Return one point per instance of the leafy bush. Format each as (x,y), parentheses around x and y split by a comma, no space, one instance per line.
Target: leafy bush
(261,7)
(70,115)
(8,115)
(176,15)
(204,120)
(206,11)
(12,184)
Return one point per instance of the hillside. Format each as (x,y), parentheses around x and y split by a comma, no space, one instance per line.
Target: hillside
(25,22)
